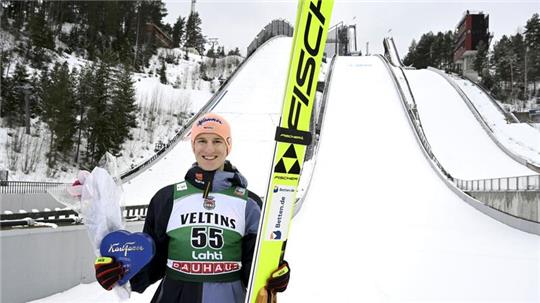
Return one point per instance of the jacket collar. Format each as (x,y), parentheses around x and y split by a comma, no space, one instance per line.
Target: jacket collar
(216,180)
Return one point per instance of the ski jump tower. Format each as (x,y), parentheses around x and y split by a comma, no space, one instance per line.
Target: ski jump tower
(192,6)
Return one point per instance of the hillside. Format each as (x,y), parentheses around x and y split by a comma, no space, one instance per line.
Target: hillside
(162,109)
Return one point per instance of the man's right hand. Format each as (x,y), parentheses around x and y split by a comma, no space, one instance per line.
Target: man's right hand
(108,271)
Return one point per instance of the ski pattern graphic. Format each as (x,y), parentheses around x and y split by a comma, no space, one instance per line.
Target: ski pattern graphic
(292,139)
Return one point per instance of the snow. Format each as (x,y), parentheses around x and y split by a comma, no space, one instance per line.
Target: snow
(378,224)
(457,139)
(3,138)
(252,109)
(520,138)
(381,226)
(169,101)
(67,27)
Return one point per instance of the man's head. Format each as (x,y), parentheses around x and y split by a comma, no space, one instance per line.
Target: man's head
(211,141)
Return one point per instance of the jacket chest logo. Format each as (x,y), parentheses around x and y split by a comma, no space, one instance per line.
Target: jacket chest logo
(209,203)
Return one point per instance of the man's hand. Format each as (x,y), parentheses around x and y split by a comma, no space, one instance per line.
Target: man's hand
(108,272)
(277,282)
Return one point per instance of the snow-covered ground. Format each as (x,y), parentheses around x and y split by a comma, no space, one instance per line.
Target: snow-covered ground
(251,104)
(520,138)
(170,104)
(457,139)
(378,224)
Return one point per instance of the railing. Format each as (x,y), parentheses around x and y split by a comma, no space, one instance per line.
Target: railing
(518,158)
(63,217)
(509,116)
(274,28)
(409,103)
(337,41)
(520,183)
(390,52)
(26,187)
(186,128)
(40,187)
(222,91)
(510,218)
(314,149)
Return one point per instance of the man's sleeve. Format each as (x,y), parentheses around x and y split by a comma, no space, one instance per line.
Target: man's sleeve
(155,226)
(253,213)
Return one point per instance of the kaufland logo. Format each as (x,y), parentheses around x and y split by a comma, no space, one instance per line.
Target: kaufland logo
(206,268)
(125,248)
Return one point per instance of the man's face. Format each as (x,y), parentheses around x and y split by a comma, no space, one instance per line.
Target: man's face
(210,151)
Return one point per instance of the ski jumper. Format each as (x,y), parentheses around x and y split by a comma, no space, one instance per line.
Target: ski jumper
(205,229)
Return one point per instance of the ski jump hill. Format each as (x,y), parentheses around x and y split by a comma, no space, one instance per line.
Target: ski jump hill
(377,214)
(381,222)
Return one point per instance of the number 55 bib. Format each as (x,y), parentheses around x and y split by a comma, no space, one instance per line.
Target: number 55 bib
(205,235)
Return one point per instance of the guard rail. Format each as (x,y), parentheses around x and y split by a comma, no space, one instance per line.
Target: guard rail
(26,187)
(519,183)
(483,123)
(515,220)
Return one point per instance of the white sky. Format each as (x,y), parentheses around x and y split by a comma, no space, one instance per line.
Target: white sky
(236,23)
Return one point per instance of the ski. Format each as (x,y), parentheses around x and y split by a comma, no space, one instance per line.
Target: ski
(292,138)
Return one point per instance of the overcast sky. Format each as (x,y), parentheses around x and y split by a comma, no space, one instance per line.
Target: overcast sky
(236,23)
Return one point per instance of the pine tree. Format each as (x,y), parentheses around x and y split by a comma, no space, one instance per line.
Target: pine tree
(59,112)
(480,62)
(448,50)
(85,93)
(123,108)
(504,62)
(235,52)
(40,33)
(410,57)
(154,11)
(163,73)
(194,36)
(99,126)
(518,49)
(532,42)
(178,31)
(14,105)
(211,53)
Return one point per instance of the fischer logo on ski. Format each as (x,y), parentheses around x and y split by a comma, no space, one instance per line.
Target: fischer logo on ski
(292,138)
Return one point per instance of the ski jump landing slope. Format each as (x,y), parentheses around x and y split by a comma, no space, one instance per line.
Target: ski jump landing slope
(252,104)
(379,225)
(458,140)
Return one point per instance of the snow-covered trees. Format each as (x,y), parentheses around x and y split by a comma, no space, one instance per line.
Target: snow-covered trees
(16,91)
(532,50)
(511,69)
(178,31)
(194,36)
(111,112)
(58,111)
(431,50)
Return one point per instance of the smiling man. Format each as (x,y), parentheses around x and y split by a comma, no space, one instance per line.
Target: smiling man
(204,227)
(211,141)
